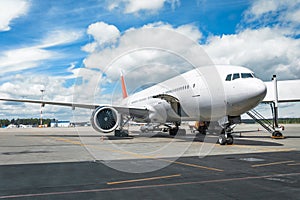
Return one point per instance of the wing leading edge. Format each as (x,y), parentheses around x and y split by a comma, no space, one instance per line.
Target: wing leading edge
(139,112)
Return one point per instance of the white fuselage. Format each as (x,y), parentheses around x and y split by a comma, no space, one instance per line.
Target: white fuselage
(203,94)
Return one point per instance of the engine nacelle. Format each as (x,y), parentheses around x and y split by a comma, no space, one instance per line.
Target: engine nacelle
(105,119)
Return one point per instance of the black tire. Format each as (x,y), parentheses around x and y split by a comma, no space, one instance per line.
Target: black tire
(277,134)
(173,131)
(229,140)
(202,131)
(222,139)
(119,133)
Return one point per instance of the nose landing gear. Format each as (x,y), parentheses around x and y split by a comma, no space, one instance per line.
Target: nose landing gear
(225,138)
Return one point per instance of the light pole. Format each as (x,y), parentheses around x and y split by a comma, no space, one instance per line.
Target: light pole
(42,105)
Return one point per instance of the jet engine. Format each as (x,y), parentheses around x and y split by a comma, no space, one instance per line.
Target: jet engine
(105,119)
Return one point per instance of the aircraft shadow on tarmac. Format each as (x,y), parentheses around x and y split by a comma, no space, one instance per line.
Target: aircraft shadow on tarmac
(55,135)
(36,145)
(255,143)
(109,137)
(238,141)
(184,138)
(261,136)
(201,138)
(24,152)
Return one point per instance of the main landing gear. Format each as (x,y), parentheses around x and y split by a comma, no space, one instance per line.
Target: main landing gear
(121,132)
(225,138)
(173,131)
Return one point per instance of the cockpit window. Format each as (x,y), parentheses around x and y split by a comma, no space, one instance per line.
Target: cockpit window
(228,77)
(247,75)
(236,76)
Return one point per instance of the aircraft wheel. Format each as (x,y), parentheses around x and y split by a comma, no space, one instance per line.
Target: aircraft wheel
(277,134)
(222,139)
(229,139)
(164,130)
(121,133)
(173,131)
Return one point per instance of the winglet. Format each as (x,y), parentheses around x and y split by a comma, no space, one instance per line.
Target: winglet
(124,90)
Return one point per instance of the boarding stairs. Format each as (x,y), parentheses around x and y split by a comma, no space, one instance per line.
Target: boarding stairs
(257,117)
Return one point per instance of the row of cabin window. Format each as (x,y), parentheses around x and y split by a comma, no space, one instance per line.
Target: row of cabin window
(231,77)
(178,89)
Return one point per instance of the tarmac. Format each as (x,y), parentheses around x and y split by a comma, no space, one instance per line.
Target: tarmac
(79,163)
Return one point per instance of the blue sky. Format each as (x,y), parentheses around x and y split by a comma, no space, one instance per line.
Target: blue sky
(44,17)
(52,43)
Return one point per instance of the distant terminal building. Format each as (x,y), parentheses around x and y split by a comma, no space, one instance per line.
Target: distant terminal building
(60,124)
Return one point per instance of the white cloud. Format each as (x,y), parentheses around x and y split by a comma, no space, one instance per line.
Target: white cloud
(113,5)
(266,51)
(23,58)
(145,54)
(261,7)
(29,57)
(60,37)
(265,41)
(294,16)
(103,34)
(28,87)
(10,10)
(188,30)
(153,35)
(90,47)
(136,6)
(274,13)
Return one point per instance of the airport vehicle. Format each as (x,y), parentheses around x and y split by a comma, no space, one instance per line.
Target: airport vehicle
(186,97)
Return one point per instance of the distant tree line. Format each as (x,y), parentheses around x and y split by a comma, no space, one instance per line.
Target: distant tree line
(29,121)
(280,121)
(289,120)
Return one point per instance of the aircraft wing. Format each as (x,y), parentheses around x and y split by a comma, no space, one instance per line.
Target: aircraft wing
(139,112)
(288,91)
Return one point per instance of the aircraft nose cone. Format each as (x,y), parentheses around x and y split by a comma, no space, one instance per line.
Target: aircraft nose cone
(261,90)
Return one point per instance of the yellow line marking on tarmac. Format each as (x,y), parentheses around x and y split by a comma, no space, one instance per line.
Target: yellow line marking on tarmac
(279,149)
(67,140)
(143,179)
(276,150)
(256,147)
(274,163)
(191,165)
(136,155)
(145,187)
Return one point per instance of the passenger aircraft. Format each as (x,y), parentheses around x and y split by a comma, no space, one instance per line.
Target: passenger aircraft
(192,96)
